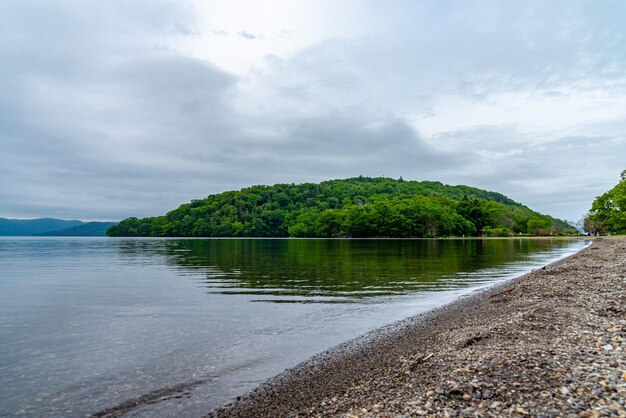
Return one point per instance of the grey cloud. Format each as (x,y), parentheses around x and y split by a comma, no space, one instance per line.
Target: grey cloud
(560,176)
(242,33)
(337,147)
(99,119)
(492,138)
(472,51)
(315,149)
(85,120)
(248,35)
(141,131)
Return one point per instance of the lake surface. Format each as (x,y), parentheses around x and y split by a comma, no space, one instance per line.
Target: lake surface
(181,326)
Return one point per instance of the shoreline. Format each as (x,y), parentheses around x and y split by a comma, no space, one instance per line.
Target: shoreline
(520,347)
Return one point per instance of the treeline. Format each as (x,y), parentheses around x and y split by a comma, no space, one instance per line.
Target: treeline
(608,212)
(356,207)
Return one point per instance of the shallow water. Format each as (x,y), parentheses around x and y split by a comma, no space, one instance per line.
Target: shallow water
(182,325)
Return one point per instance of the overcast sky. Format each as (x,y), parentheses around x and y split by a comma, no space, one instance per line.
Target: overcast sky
(118,108)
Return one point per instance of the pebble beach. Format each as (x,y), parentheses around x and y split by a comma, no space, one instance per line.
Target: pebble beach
(547,344)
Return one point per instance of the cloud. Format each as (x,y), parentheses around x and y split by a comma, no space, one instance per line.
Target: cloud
(560,176)
(248,35)
(104,116)
(88,123)
(326,147)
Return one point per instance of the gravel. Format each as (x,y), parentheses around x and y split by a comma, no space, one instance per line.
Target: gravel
(548,344)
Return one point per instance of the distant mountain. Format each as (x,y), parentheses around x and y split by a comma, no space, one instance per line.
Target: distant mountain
(52,227)
(89,229)
(24,227)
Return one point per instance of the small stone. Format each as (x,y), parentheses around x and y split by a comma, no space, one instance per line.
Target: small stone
(607,347)
(521,411)
(564,391)
(495,405)
(467,412)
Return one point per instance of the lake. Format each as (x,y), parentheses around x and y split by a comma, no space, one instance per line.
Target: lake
(176,327)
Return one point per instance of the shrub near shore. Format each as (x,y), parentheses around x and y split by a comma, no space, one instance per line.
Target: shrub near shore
(357,207)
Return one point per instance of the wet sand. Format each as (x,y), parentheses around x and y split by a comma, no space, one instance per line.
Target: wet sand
(549,343)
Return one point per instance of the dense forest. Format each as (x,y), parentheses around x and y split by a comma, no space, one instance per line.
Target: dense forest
(356,207)
(608,212)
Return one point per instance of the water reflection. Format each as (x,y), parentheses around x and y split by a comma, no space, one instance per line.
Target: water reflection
(331,271)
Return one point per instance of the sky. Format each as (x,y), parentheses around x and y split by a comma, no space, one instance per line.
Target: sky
(118,108)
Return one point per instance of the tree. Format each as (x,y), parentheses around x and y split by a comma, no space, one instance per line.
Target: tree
(608,211)
(539,226)
(474,211)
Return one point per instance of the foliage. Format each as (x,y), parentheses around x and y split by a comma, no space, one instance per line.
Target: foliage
(357,207)
(608,212)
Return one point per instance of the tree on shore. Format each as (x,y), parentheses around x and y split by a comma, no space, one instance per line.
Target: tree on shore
(608,212)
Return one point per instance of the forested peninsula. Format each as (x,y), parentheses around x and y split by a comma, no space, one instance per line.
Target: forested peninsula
(361,207)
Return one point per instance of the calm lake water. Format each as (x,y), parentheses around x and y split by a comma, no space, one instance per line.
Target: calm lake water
(184,325)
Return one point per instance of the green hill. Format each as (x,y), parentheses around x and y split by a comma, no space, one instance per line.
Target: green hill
(89,229)
(356,207)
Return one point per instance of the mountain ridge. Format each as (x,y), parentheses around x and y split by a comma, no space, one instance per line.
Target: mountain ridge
(87,229)
(52,227)
(26,227)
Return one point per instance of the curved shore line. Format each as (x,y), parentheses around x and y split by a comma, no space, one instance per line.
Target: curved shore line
(491,353)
